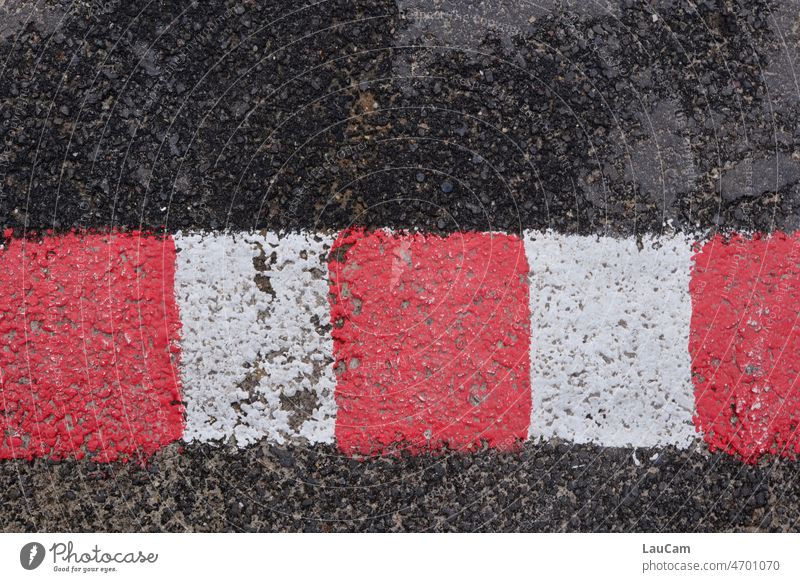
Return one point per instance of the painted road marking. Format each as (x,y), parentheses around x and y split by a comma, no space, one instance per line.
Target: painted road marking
(431,339)
(89,330)
(610,330)
(257,349)
(745,344)
(464,341)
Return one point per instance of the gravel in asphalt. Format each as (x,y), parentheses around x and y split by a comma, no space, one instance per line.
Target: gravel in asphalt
(624,118)
(544,487)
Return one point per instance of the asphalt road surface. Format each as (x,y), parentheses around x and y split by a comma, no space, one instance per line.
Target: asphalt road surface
(623,119)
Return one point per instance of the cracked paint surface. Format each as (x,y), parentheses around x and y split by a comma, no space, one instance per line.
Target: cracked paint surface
(745,344)
(611,327)
(88,359)
(257,350)
(431,341)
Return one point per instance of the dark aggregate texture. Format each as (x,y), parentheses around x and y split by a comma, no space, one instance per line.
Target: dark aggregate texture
(546,487)
(619,118)
(623,118)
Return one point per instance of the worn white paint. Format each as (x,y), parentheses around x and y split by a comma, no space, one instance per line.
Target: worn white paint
(609,337)
(609,343)
(255,361)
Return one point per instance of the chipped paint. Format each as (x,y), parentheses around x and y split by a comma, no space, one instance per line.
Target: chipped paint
(431,339)
(387,342)
(89,330)
(610,334)
(257,352)
(745,344)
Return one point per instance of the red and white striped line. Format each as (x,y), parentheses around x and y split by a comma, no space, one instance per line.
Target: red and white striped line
(116,344)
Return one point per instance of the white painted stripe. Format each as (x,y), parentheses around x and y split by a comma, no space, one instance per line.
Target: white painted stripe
(609,343)
(256,347)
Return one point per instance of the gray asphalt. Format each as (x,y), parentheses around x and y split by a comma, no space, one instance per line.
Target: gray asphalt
(620,118)
(547,487)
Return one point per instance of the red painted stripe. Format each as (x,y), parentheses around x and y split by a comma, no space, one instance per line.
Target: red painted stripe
(431,341)
(745,344)
(89,330)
